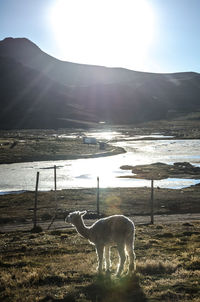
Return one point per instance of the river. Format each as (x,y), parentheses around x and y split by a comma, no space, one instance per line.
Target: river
(82,173)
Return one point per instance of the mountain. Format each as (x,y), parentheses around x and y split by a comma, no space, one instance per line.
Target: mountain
(29,99)
(70,74)
(37,90)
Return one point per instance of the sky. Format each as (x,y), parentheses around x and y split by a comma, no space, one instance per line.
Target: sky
(145,35)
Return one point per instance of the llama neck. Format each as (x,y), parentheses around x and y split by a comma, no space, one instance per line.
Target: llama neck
(82,229)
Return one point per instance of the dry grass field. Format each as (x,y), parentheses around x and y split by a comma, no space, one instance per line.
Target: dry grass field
(59,265)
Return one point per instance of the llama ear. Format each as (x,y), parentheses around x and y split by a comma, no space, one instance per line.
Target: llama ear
(82,213)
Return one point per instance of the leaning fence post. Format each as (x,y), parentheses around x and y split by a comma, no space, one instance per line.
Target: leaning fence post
(35,205)
(152,202)
(98,196)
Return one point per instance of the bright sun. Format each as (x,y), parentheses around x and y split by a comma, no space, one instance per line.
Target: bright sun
(103,32)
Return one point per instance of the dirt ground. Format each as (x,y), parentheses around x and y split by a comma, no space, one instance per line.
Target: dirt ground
(17,210)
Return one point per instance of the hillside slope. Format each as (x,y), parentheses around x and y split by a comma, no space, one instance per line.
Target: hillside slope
(55,90)
(29,99)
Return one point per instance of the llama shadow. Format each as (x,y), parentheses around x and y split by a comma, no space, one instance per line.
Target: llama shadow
(105,288)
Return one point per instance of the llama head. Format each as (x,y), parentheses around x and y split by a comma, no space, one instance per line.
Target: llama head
(74,216)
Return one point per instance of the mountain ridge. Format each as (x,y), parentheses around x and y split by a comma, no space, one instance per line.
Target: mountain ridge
(29,54)
(87,92)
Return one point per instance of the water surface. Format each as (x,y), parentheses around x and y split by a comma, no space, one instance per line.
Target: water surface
(82,173)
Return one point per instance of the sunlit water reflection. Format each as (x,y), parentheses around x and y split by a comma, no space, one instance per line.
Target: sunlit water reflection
(82,173)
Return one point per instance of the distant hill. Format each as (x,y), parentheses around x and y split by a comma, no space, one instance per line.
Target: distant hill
(37,90)
(29,99)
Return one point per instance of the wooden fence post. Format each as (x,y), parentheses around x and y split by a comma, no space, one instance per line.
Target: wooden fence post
(35,205)
(98,196)
(152,202)
(55,185)
(55,198)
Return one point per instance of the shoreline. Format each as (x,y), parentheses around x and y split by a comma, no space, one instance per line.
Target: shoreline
(55,157)
(31,145)
(116,151)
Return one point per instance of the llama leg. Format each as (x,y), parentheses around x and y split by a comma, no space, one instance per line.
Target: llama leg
(99,250)
(122,258)
(107,258)
(131,256)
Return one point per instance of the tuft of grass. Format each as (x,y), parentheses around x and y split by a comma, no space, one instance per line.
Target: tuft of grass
(56,232)
(166,235)
(159,227)
(170,295)
(37,229)
(187,224)
(190,233)
(154,267)
(194,264)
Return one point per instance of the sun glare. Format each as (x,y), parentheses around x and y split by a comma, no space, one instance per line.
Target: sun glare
(103,32)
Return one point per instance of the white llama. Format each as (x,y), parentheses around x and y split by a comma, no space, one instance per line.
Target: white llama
(114,230)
